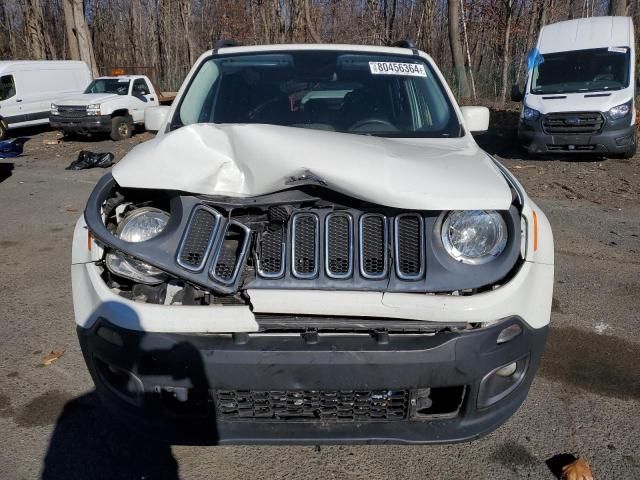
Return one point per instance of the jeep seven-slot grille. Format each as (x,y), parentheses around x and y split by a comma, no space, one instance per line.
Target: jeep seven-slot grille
(312,405)
(373,246)
(570,123)
(409,245)
(339,245)
(305,245)
(198,238)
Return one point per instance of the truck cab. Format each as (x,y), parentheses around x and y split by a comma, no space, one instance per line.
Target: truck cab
(113,105)
(580,88)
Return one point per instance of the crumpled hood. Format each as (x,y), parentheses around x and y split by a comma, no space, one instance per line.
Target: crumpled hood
(256,159)
(86,98)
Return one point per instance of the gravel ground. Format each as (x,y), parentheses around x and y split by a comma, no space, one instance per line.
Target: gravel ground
(584,401)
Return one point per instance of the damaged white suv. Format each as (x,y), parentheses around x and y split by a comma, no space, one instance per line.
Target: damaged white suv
(313,249)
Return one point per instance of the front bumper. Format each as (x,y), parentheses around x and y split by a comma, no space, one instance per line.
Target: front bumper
(171,384)
(86,124)
(616,137)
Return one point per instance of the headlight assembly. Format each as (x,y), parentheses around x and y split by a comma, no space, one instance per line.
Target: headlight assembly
(475,236)
(619,111)
(54,109)
(530,113)
(93,109)
(140,225)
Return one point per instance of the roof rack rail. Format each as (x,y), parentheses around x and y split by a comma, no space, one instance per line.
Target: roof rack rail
(225,43)
(405,44)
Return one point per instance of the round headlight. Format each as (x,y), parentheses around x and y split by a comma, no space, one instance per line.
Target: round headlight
(140,225)
(475,236)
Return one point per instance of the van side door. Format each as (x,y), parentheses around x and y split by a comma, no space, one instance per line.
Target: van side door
(142,98)
(10,104)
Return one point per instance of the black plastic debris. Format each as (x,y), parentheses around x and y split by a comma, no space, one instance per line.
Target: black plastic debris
(88,159)
(12,148)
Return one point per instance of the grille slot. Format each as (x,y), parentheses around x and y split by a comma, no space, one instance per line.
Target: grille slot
(312,405)
(339,245)
(305,245)
(373,246)
(198,238)
(568,123)
(270,260)
(409,246)
(230,253)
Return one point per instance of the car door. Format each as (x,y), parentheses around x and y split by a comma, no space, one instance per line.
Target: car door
(11,110)
(141,98)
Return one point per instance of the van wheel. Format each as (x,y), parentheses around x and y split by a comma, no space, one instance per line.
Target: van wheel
(121,128)
(632,151)
(3,130)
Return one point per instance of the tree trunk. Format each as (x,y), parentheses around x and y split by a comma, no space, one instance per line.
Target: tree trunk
(69,28)
(185,16)
(505,57)
(310,26)
(460,74)
(34,24)
(619,8)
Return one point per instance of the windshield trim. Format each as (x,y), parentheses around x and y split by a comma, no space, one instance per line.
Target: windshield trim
(175,122)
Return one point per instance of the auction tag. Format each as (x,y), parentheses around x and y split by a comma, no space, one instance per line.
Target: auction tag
(393,68)
(618,49)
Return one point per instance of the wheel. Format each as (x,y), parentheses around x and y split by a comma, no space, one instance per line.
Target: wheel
(3,130)
(632,151)
(121,128)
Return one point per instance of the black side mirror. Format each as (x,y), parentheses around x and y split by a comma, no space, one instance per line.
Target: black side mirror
(638,83)
(516,94)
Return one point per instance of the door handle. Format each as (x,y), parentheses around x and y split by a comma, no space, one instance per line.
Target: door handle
(152,99)
(18,100)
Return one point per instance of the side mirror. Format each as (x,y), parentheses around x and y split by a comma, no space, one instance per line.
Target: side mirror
(476,119)
(638,83)
(516,94)
(155,117)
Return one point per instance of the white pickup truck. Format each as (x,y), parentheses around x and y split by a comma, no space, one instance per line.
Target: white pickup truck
(112,105)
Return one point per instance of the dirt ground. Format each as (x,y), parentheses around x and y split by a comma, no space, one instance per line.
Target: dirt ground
(584,401)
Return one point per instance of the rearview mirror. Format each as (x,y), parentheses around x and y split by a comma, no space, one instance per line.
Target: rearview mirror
(476,119)
(516,94)
(155,117)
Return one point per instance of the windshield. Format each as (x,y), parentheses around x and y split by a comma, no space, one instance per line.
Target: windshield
(361,93)
(119,86)
(581,71)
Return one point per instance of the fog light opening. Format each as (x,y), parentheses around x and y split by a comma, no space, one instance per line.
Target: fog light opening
(501,381)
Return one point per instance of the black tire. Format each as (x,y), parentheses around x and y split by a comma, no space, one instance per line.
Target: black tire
(3,130)
(632,151)
(121,128)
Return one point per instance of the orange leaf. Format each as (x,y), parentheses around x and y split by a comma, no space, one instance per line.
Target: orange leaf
(577,470)
(51,357)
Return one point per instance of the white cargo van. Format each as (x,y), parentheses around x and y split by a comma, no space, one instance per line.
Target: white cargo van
(580,88)
(27,89)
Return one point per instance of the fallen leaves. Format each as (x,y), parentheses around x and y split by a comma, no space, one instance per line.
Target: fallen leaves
(51,357)
(577,470)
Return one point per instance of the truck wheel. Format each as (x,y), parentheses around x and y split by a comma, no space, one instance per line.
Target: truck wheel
(121,128)
(3,130)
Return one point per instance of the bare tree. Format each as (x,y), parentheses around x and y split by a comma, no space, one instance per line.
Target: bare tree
(508,5)
(459,72)
(78,34)
(619,8)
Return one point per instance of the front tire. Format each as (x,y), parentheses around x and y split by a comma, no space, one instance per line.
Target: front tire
(632,151)
(121,128)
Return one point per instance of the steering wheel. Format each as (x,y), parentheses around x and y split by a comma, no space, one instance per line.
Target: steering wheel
(375,123)
(258,110)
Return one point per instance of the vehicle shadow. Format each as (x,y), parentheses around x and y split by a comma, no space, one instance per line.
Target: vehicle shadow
(91,440)
(6,170)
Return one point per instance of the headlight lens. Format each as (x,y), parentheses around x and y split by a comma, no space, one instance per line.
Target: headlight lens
(475,236)
(54,109)
(530,113)
(93,109)
(143,224)
(619,111)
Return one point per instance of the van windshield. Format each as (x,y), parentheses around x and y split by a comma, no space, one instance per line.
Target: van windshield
(119,86)
(371,94)
(582,71)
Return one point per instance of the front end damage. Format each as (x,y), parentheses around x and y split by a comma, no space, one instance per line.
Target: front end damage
(306,316)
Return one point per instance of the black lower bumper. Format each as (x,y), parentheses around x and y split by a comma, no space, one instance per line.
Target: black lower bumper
(278,388)
(612,139)
(86,124)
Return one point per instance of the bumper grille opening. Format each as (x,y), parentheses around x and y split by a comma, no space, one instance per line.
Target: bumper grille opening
(312,405)
(198,238)
(440,402)
(339,245)
(305,245)
(373,245)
